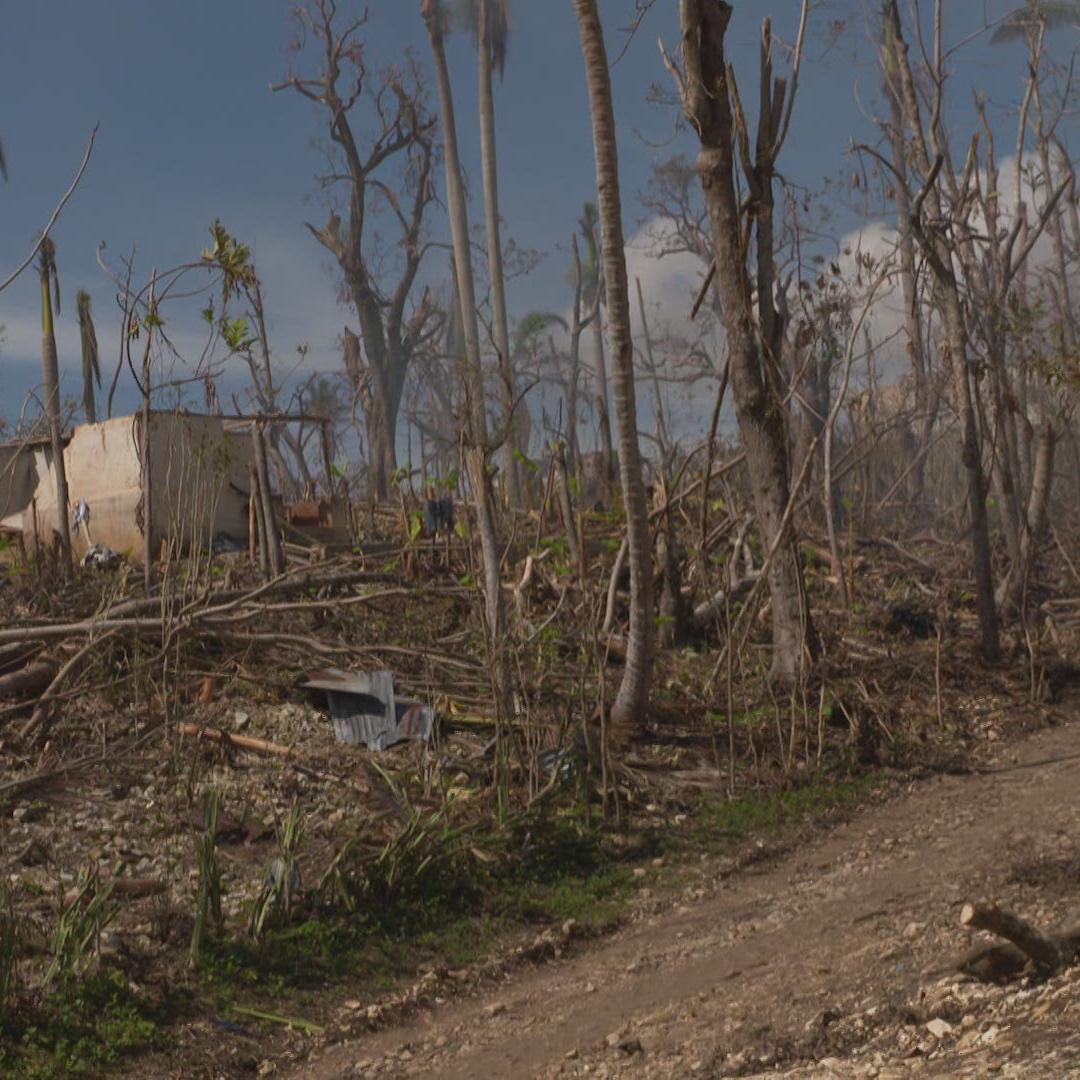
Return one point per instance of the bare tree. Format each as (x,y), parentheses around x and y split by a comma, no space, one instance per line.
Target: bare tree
(976,247)
(403,133)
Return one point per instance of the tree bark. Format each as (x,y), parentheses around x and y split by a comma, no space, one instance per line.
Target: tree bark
(631,702)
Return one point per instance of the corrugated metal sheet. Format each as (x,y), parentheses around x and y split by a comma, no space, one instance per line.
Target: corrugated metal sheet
(365,709)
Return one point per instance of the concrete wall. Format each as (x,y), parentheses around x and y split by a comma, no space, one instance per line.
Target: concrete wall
(199,481)
(21,468)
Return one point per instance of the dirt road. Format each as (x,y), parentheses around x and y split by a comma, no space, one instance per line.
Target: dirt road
(819,964)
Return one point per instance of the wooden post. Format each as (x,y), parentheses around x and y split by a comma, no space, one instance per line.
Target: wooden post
(144,449)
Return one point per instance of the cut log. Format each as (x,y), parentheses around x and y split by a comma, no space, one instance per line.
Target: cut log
(31,680)
(1044,952)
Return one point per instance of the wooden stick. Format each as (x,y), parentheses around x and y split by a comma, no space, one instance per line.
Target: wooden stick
(700,299)
(242,742)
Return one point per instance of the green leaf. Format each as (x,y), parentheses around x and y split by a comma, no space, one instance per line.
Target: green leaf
(235,333)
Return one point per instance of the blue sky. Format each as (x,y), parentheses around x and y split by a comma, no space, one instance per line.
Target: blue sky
(190,131)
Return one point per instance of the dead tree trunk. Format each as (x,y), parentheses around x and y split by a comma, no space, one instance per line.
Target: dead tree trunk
(711,104)
(275,556)
(1012,588)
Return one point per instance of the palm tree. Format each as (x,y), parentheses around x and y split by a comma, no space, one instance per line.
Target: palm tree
(628,711)
(435,19)
(50,287)
(489,21)
(1050,14)
(91,373)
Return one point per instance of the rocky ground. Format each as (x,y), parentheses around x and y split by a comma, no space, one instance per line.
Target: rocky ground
(834,960)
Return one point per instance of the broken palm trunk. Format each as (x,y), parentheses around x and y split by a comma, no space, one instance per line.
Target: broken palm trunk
(366,709)
(1028,947)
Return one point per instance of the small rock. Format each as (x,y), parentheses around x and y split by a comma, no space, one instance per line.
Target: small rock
(914,930)
(353,1005)
(639,871)
(496,1008)
(631,1045)
(939,1028)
